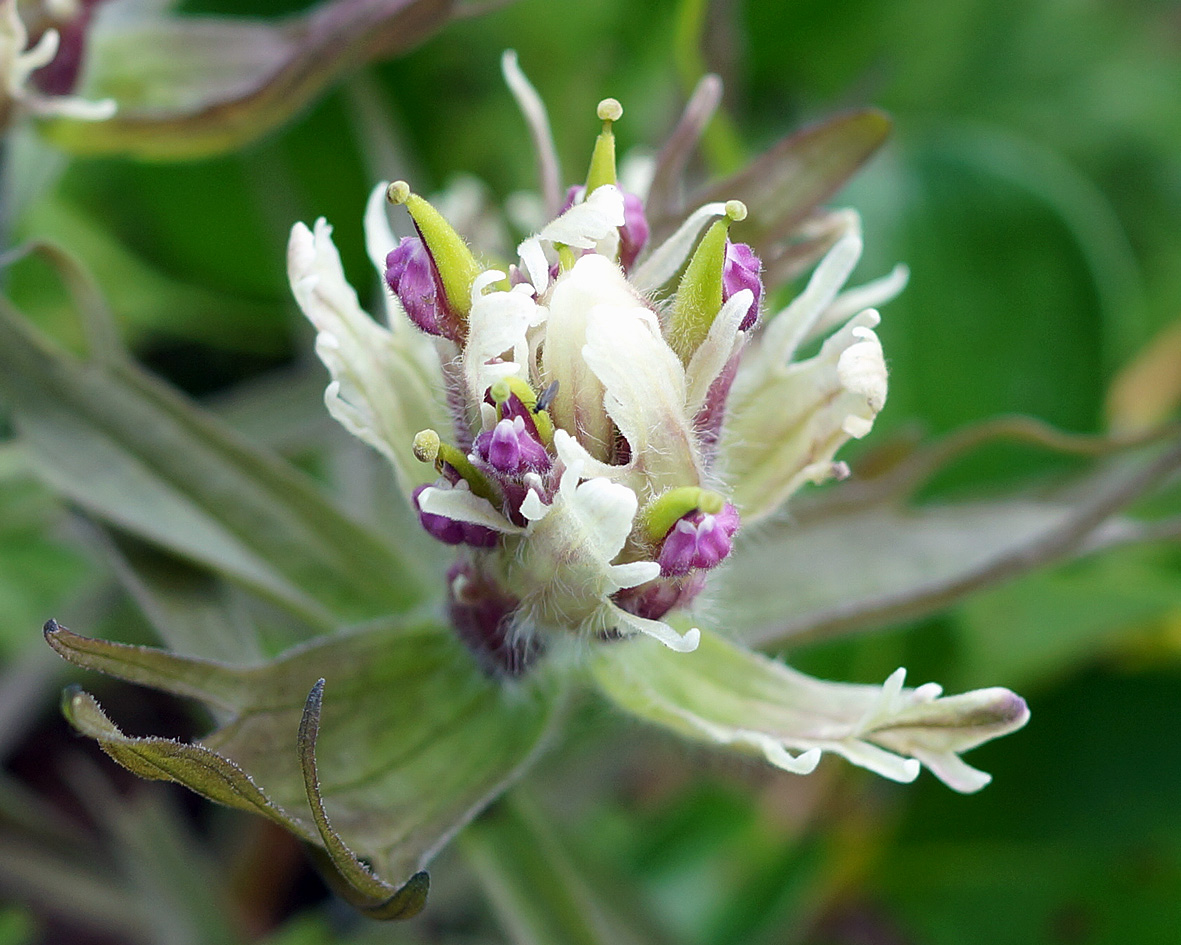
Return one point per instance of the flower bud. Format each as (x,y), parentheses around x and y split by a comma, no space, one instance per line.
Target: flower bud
(510,448)
(701,292)
(741,271)
(411,276)
(452,263)
(633,235)
(699,540)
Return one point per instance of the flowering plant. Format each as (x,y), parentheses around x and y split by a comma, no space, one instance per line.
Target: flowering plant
(612,413)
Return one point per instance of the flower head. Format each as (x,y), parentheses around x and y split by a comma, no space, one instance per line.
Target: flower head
(619,413)
(589,429)
(588,472)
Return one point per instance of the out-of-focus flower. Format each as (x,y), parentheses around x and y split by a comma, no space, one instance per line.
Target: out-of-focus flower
(192,86)
(19,91)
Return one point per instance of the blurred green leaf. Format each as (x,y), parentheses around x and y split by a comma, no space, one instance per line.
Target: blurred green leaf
(541,895)
(849,564)
(16,927)
(138,456)
(195,612)
(1078,839)
(38,569)
(181,891)
(1050,623)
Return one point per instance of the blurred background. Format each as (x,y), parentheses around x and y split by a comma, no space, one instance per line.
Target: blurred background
(1033,186)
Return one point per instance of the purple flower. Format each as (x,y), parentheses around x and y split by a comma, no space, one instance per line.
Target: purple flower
(698,540)
(741,271)
(511,448)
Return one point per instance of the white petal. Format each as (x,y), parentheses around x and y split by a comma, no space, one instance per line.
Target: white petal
(861,370)
(953,771)
(785,426)
(533,508)
(575,456)
(18,63)
(727,695)
(586,223)
(497,326)
(535,263)
(643,384)
(785,331)
(634,573)
(659,631)
(871,295)
(578,404)
(381,391)
(606,510)
(713,354)
(462,506)
(878,760)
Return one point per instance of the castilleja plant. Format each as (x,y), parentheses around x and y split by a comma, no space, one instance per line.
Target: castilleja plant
(591,427)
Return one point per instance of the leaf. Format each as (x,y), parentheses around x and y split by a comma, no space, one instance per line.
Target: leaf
(378,899)
(847,567)
(540,894)
(191,87)
(411,743)
(1047,624)
(138,456)
(183,895)
(787,182)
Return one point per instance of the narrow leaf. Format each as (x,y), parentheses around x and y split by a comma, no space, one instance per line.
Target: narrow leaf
(847,567)
(161,759)
(540,893)
(137,455)
(378,899)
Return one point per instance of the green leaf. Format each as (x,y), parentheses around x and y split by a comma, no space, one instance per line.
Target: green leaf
(410,742)
(190,87)
(60,870)
(138,456)
(540,894)
(37,568)
(1049,623)
(183,895)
